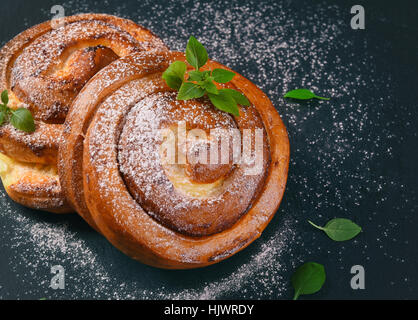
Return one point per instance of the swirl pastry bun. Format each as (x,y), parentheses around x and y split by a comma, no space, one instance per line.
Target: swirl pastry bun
(44,68)
(181,214)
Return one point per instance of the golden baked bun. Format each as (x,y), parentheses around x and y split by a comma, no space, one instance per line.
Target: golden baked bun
(44,68)
(117,171)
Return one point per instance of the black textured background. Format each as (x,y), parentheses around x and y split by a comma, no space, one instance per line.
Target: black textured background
(354,156)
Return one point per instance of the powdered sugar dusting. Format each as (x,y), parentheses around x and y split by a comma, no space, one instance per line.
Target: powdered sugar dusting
(278,48)
(41,76)
(141,165)
(38,245)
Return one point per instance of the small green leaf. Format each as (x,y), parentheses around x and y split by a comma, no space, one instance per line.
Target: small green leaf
(222,75)
(2,117)
(224,101)
(340,229)
(195,75)
(22,119)
(206,74)
(190,90)
(174,75)
(209,86)
(196,53)
(308,279)
(302,94)
(5,97)
(238,97)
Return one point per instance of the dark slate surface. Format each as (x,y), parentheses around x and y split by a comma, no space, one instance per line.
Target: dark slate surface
(354,156)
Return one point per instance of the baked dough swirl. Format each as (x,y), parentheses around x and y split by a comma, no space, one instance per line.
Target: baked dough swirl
(44,68)
(193,198)
(181,214)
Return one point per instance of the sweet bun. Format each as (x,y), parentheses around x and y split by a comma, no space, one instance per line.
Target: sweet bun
(44,68)
(184,214)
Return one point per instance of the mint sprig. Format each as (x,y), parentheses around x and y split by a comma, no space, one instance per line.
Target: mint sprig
(200,83)
(20,118)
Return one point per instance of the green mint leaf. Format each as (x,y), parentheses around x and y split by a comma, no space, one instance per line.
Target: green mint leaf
(195,75)
(2,117)
(222,75)
(206,74)
(5,97)
(209,86)
(190,90)
(238,97)
(22,119)
(196,53)
(174,74)
(308,279)
(302,94)
(340,229)
(224,101)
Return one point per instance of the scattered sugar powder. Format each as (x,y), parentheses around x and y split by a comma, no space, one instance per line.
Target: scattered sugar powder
(337,147)
(37,245)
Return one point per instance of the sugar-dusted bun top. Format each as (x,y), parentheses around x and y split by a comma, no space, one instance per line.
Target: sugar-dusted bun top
(185,162)
(49,66)
(118,170)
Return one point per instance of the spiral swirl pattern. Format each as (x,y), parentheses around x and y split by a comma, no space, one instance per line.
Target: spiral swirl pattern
(170,215)
(44,68)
